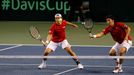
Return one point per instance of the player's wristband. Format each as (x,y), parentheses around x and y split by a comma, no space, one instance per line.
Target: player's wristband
(94,36)
(47,41)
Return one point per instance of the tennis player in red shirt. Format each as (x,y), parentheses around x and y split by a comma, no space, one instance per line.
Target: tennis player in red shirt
(57,37)
(121,35)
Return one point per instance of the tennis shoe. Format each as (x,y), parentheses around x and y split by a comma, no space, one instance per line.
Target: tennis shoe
(117,69)
(42,65)
(80,66)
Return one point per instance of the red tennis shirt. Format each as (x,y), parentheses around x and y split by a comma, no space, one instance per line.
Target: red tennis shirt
(117,31)
(58,31)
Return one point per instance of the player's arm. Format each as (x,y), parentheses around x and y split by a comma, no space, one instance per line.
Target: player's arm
(102,33)
(72,24)
(128,29)
(49,38)
(98,35)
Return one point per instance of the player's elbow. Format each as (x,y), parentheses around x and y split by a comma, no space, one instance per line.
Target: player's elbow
(129,29)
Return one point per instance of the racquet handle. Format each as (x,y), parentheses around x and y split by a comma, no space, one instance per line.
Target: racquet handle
(44,43)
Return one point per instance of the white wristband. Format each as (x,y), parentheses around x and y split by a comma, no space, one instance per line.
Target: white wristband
(47,41)
(94,36)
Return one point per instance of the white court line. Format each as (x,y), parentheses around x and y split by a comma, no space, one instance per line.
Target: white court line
(53,65)
(10,47)
(65,71)
(71,45)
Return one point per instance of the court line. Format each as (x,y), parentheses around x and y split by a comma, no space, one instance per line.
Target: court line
(10,47)
(53,65)
(71,45)
(66,71)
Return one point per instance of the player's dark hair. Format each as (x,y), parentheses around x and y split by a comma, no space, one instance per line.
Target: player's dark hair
(110,16)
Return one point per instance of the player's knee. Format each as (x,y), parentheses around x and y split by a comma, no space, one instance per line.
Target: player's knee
(112,53)
(123,51)
(47,51)
(68,49)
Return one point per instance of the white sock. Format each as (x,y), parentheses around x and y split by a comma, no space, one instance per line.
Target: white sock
(43,61)
(117,59)
(120,65)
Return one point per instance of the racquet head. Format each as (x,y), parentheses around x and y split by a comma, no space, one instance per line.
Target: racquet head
(35,32)
(88,25)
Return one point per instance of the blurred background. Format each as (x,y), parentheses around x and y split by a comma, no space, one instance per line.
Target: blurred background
(16,16)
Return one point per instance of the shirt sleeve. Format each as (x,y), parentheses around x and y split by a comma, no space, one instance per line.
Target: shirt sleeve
(106,30)
(65,22)
(51,30)
(124,26)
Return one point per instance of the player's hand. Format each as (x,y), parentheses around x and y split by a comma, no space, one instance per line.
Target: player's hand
(126,39)
(92,36)
(45,43)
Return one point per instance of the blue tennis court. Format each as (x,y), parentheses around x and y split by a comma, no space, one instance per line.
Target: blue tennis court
(60,66)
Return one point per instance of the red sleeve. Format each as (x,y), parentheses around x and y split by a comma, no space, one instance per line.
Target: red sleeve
(106,30)
(51,29)
(124,26)
(64,22)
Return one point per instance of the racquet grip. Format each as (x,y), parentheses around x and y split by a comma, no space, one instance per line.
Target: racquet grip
(44,43)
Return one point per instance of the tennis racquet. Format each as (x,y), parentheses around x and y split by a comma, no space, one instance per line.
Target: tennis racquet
(34,32)
(88,25)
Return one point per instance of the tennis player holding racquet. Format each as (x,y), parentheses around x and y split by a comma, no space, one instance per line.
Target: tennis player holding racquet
(121,35)
(57,37)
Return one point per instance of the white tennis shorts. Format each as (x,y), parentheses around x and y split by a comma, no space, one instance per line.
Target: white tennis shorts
(125,44)
(53,45)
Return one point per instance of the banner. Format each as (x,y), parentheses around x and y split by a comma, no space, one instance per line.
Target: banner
(32,9)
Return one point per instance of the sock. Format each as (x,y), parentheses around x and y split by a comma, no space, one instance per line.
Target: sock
(120,66)
(117,59)
(77,62)
(43,61)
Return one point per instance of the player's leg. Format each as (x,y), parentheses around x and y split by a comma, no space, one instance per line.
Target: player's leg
(67,47)
(72,53)
(114,52)
(47,51)
(118,67)
(122,50)
(124,47)
(50,48)
(75,58)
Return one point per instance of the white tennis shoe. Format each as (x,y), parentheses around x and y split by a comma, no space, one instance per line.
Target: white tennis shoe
(42,65)
(117,70)
(80,66)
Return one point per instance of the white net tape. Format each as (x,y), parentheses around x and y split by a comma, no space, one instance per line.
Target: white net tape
(62,57)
